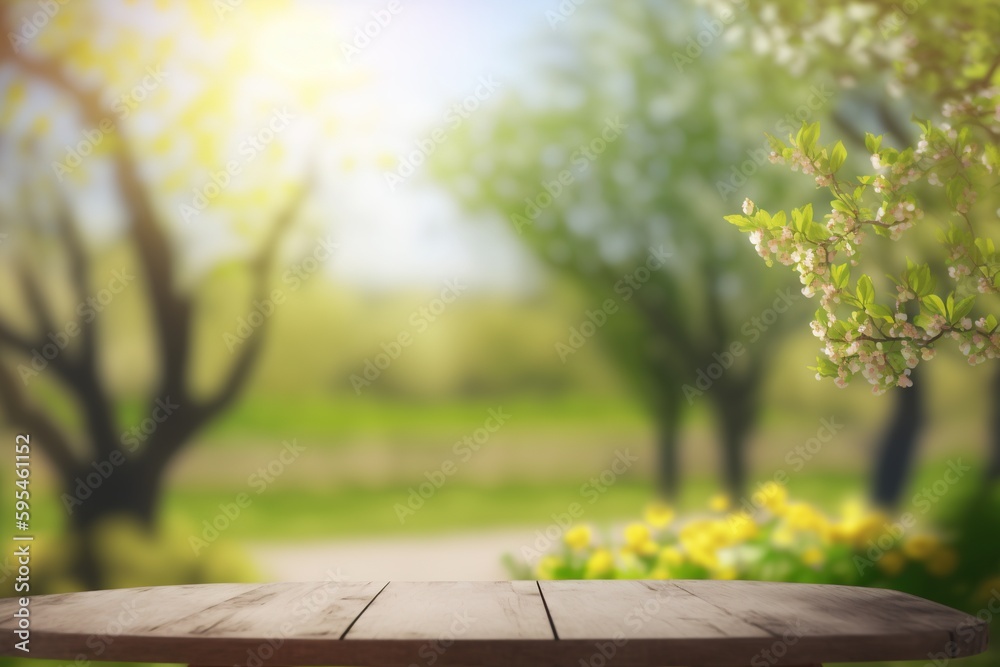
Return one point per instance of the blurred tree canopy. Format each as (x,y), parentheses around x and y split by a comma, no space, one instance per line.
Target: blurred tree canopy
(948,172)
(613,169)
(937,176)
(169,138)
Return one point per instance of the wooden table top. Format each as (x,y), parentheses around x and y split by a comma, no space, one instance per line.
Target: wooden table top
(552,623)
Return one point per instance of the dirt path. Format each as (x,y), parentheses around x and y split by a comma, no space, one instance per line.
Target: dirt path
(450,557)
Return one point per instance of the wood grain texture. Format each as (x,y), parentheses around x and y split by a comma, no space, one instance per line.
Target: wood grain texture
(623,623)
(465,610)
(637,610)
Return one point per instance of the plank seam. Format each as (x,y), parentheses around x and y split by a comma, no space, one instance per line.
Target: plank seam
(548,614)
(362,612)
(727,612)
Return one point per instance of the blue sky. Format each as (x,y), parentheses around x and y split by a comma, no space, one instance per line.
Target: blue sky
(431,55)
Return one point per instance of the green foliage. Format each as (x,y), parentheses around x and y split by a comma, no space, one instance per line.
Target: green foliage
(943,59)
(130,555)
(771,538)
(596,215)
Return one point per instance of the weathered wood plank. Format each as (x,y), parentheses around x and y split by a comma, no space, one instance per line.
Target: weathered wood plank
(455,610)
(119,610)
(637,609)
(826,623)
(312,609)
(625,623)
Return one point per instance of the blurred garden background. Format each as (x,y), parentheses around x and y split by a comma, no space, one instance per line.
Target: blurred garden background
(427,289)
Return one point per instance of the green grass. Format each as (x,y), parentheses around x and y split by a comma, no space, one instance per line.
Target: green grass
(303,512)
(334,418)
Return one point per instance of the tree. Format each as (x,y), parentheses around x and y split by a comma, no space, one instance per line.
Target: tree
(616,155)
(944,61)
(64,77)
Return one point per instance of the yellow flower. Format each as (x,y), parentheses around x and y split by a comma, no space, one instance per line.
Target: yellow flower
(659,515)
(987,590)
(706,534)
(704,557)
(892,563)
(813,556)
(719,502)
(726,572)
(636,534)
(921,546)
(783,537)
(547,567)
(671,556)
(660,572)
(775,496)
(577,538)
(600,563)
(638,539)
(742,527)
(853,509)
(943,563)
(802,517)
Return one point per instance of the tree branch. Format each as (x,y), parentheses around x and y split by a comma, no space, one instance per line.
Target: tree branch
(36,302)
(52,440)
(197,413)
(15,340)
(261,267)
(171,310)
(79,266)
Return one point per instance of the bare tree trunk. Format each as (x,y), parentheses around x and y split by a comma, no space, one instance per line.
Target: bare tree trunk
(896,450)
(734,436)
(993,469)
(668,481)
(130,491)
(737,413)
